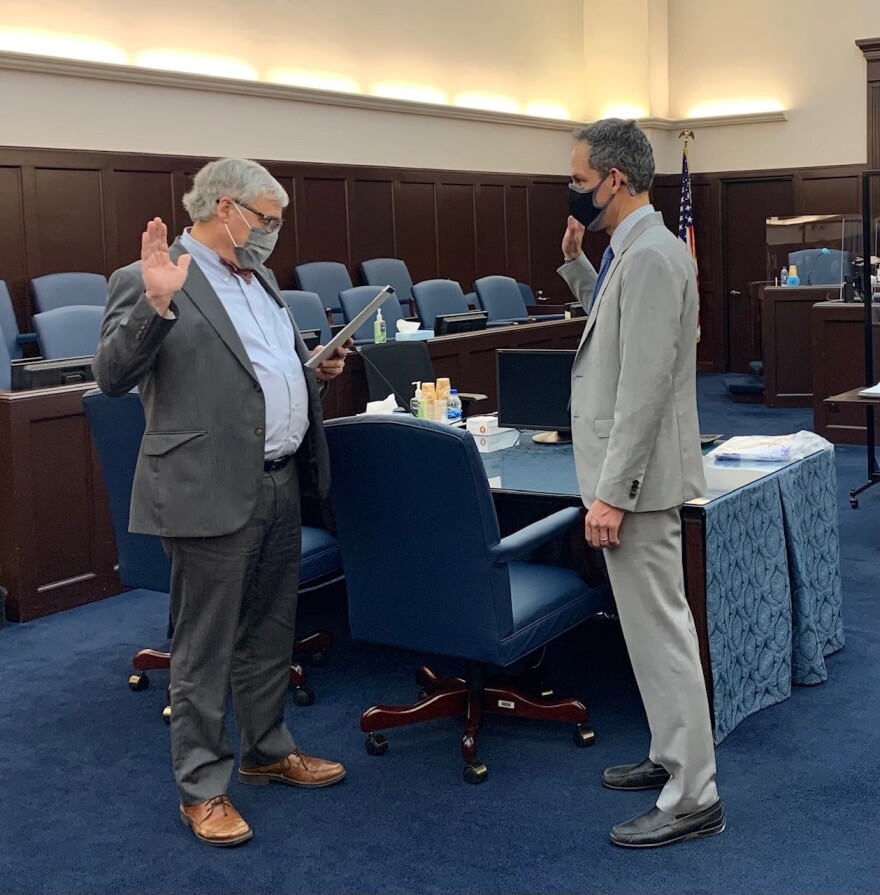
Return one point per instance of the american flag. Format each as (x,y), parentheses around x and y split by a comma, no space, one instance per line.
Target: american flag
(686,217)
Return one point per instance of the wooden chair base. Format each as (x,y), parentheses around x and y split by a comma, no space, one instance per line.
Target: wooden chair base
(472,697)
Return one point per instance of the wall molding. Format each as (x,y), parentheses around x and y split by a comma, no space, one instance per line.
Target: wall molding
(130,74)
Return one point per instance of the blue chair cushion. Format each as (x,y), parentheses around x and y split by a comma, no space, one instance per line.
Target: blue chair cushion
(320,554)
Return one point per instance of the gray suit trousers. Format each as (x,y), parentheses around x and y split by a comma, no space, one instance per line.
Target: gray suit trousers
(647,579)
(233,605)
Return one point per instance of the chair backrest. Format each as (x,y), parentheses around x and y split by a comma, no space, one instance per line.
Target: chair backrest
(389,271)
(308,311)
(500,298)
(433,297)
(59,290)
(821,267)
(5,366)
(393,367)
(415,521)
(117,426)
(69,332)
(8,323)
(528,297)
(328,279)
(354,300)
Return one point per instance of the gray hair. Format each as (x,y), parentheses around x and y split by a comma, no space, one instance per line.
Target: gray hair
(237,178)
(621,144)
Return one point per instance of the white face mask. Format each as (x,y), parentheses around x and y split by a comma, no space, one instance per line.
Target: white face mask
(257,248)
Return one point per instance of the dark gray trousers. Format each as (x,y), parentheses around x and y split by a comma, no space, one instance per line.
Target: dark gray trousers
(233,604)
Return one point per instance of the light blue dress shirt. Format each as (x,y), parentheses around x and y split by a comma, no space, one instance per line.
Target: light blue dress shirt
(624,228)
(266,332)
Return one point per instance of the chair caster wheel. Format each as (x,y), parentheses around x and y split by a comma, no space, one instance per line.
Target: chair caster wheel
(376,744)
(303,696)
(422,694)
(319,658)
(854,502)
(139,681)
(475,772)
(166,714)
(583,736)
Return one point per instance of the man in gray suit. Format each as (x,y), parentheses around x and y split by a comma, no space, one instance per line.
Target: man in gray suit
(637,453)
(234,437)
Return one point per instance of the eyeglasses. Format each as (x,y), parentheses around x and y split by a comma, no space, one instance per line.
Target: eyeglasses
(270,223)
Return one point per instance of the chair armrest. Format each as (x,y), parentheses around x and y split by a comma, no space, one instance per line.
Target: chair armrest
(532,536)
(470,397)
(26,338)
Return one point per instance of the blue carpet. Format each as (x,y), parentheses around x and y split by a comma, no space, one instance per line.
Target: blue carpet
(87,802)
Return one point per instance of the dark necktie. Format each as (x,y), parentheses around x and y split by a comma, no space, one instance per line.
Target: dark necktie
(607,258)
(246,273)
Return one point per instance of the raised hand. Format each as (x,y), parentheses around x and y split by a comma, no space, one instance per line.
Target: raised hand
(573,239)
(162,277)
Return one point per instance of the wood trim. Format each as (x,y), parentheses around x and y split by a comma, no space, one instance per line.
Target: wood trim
(870,48)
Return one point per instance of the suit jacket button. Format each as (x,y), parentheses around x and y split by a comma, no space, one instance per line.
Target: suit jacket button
(258,431)
(257,387)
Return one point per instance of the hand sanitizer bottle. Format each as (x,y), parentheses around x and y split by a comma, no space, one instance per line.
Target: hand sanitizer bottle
(379,328)
(783,276)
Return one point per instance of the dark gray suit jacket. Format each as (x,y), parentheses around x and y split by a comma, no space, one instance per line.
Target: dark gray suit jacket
(201,459)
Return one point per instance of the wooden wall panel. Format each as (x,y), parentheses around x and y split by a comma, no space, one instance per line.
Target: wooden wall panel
(416,221)
(322,220)
(491,230)
(371,212)
(285,256)
(13,265)
(69,217)
(830,195)
(456,233)
(516,212)
(548,214)
(139,196)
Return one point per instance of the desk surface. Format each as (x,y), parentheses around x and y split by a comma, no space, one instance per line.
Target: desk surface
(852,397)
(529,468)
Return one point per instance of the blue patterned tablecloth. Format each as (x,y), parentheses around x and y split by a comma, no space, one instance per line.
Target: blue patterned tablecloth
(773,589)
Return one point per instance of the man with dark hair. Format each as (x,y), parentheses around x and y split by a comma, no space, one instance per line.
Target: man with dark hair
(637,452)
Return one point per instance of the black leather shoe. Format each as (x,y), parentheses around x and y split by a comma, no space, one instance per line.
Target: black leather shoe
(646,775)
(656,827)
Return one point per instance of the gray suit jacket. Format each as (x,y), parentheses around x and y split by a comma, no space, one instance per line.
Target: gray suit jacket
(633,396)
(201,459)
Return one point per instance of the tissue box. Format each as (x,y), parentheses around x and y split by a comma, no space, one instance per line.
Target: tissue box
(420,335)
(482,425)
(497,441)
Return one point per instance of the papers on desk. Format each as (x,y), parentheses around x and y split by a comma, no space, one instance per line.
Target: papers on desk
(872,392)
(770,447)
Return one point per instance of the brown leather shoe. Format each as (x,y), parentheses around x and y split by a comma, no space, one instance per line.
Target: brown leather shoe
(216,822)
(298,769)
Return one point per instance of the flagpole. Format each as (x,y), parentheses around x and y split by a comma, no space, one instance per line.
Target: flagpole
(687,233)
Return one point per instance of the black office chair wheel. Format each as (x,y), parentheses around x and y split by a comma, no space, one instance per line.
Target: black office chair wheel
(166,714)
(303,696)
(376,744)
(583,736)
(139,681)
(422,694)
(475,772)
(319,658)
(854,502)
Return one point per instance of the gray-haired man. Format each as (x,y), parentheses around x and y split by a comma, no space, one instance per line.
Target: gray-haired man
(637,452)
(233,436)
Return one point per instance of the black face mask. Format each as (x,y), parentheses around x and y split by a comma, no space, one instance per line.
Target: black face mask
(583,208)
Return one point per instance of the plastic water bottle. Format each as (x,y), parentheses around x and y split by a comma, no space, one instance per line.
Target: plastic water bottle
(453,407)
(783,276)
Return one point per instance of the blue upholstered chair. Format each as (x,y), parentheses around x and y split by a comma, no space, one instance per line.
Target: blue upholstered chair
(502,299)
(59,290)
(821,267)
(393,272)
(526,292)
(328,279)
(354,300)
(74,331)
(433,297)
(117,426)
(308,311)
(9,325)
(5,365)
(426,569)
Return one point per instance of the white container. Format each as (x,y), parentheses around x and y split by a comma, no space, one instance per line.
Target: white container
(497,441)
(482,425)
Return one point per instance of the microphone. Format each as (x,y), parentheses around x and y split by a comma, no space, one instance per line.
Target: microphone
(403,402)
(815,259)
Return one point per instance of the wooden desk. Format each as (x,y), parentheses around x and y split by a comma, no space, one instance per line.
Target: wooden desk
(838,360)
(786,342)
(852,399)
(56,542)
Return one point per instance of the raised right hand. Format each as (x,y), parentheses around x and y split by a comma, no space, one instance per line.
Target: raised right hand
(572,240)
(162,277)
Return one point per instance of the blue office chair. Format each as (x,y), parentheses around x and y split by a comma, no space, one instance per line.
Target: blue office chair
(74,331)
(5,365)
(393,272)
(821,267)
(328,279)
(308,312)
(502,299)
(354,300)
(9,325)
(117,426)
(452,586)
(527,295)
(59,290)
(433,297)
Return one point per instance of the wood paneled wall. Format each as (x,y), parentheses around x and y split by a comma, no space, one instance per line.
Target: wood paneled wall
(66,210)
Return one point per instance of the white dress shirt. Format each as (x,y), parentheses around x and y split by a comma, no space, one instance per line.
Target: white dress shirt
(624,228)
(266,332)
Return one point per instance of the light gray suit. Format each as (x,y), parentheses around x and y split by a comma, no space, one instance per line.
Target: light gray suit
(636,445)
(231,530)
